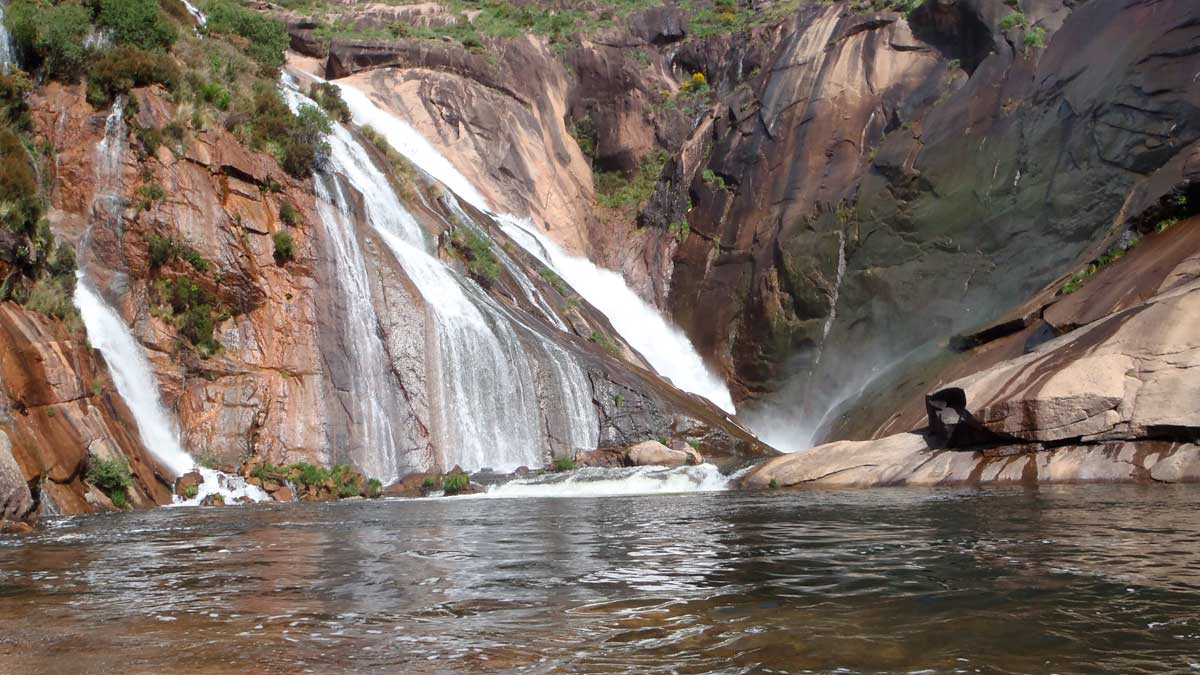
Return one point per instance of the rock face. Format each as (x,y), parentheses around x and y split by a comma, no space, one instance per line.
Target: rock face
(1114,399)
(58,407)
(907,459)
(887,182)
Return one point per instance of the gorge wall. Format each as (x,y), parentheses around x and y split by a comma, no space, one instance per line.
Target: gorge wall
(854,186)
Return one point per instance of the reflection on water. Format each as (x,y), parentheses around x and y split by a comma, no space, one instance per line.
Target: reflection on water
(1073,579)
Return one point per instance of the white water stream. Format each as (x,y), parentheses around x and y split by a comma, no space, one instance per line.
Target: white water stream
(602,482)
(7,53)
(127,363)
(663,345)
(486,377)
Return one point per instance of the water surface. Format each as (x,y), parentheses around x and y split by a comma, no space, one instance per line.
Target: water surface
(1062,580)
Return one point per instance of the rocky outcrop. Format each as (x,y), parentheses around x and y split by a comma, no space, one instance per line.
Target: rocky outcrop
(908,459)
(58,410)
(222,202)
(891,181)
(1114,399)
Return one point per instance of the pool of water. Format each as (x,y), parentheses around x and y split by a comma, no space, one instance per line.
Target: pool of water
(1052,580)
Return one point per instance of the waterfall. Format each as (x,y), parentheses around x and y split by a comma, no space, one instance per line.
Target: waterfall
(201,20)
(373,392)
(131,373)
(108,334)
(485,378)
(663,345)
(7,54)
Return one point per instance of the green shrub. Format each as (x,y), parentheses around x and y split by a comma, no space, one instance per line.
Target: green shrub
(119,499)
(295,140)
(680,230)
(454,483)
(374,489)
(308,475)
(215,95)
(285,248)
(606,343)
(711,178)
(163,250)
(555,281)
(191,309)
(1013,20)
(564,464)
(196,324)
(139,23)
(1035,38)
(289,214)
(1080,278)
(20,205)
(266,38)
(190,491)
(109,475)
(329,97)
(615,190)
(52,296)
(51,34)
(62,263)
(120,69)
(482,264)
(15,86)
(585,136)
(149,194)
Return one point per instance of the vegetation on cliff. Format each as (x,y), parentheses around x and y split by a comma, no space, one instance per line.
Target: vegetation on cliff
(36,269)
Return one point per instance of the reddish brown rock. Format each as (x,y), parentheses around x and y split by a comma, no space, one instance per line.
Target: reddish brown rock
(653,453)
(188,483)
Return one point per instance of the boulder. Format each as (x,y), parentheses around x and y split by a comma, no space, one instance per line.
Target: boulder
(412,485)
(213,500)
(659,25)
(653,453)
(602,457)
(16,502)
(192,480)
(1128,376)
(283,494)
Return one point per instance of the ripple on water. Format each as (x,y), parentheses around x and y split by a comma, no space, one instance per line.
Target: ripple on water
(1054,580)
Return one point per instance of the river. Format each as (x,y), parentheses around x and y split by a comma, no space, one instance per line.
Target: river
(1053,580)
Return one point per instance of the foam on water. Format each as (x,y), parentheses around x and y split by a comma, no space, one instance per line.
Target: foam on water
(605,482)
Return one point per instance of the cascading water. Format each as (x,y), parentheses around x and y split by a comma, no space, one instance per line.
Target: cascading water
(600,482)
(373,392)
(201,20)
(8,56)
(108,334)
(488,412)
(663,345)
